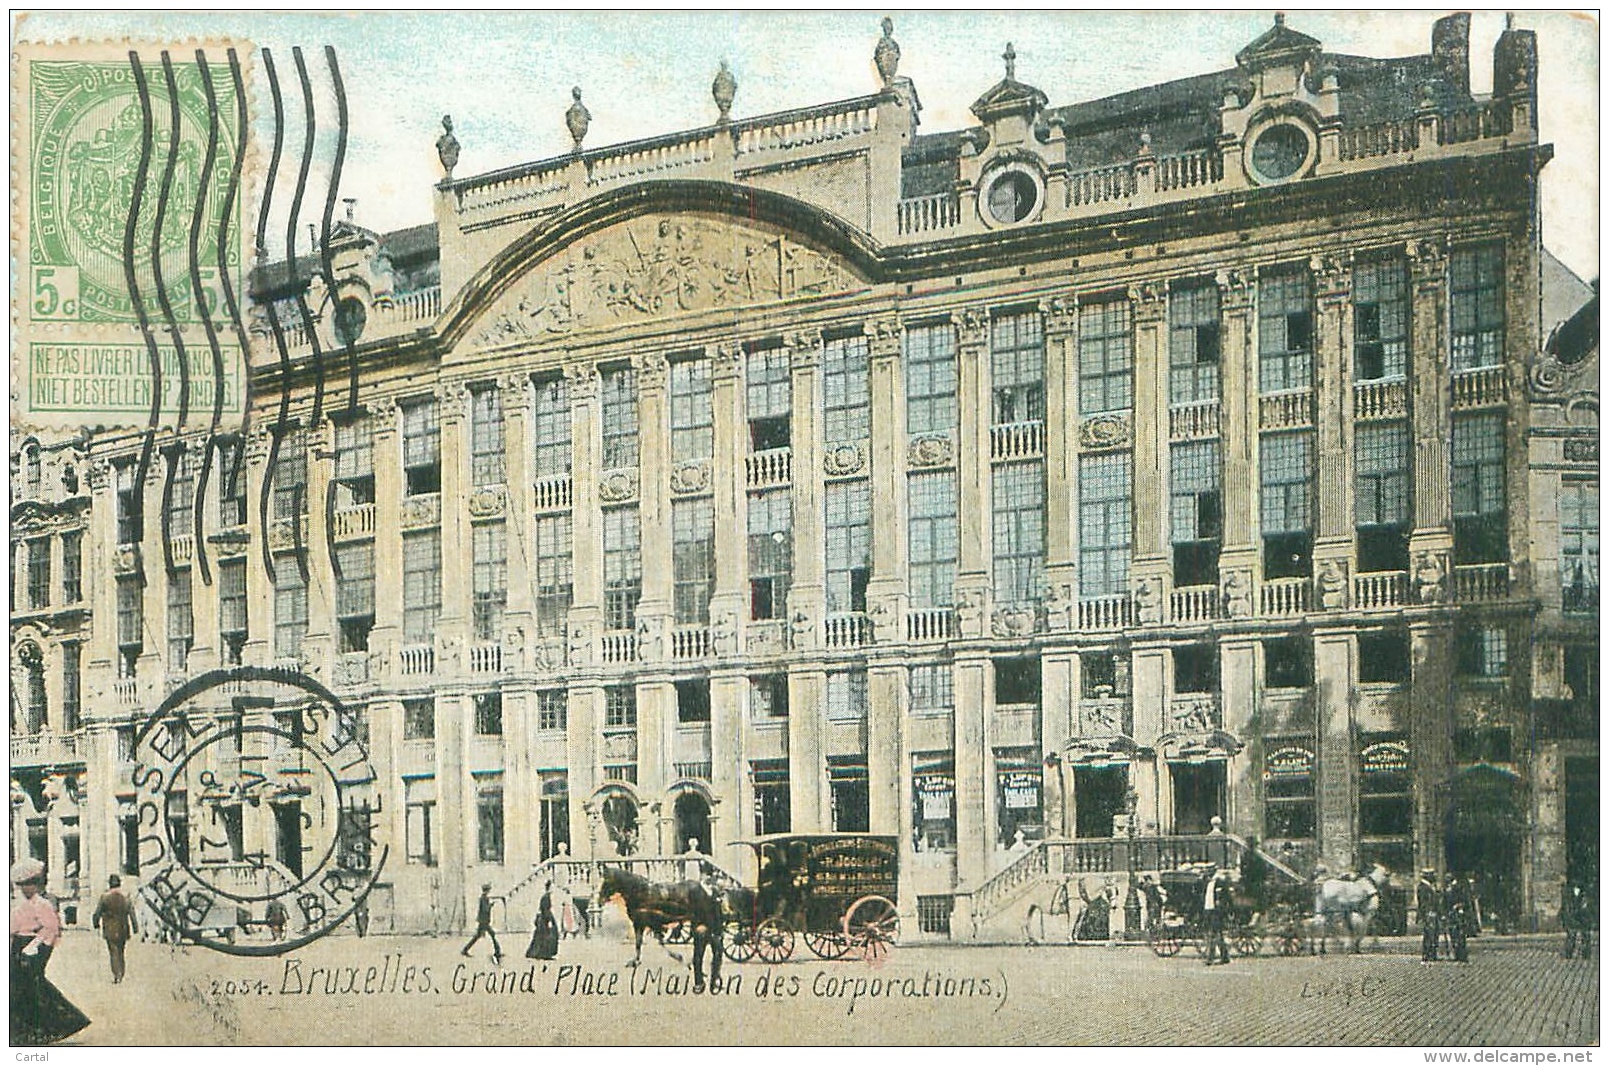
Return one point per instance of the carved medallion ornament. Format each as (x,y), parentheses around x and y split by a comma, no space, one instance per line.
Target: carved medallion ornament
(127,560)
(843,460)
(665,266)
(617,486)
(1103,431)
(488,501)
(1010,622)
(417,511)
(688,479)
(1197,715)
(1332,584)
(1581,449)
(931,450)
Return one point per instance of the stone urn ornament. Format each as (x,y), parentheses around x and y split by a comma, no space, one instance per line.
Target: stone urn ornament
(886,55)
(577,118)
(724,89)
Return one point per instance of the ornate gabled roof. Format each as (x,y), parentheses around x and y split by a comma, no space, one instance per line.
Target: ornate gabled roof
(1278,45)
(1009,96)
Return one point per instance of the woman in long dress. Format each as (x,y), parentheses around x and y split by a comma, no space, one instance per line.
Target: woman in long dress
(39,1013)
(545,937)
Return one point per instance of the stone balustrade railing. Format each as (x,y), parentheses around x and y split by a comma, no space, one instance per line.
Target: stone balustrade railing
(486,658)
(1192,421)
(1194,603)
(924,214)
(1481,387)
(1284,596)
(619,647)
(927,624)
(1106,612)
(690,642)
(848,630)
(1380,399)
(417,659)
(767,469)
(1386,589)
(354,522)
(1481,582)
(552,493)
(1017,440)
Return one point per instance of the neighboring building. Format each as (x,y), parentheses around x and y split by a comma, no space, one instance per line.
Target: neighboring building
(1189,452)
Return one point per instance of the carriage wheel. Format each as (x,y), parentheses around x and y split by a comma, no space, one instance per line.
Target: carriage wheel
(872,918)
(1289,943)
(773,941)
(1246,941)
(827,946)
(739,943)
(1166,940)
(679,933)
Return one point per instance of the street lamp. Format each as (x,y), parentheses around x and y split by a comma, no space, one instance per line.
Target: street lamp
(1131,901)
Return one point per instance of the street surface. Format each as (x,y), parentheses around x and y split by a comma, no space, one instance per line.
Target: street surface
(420,991)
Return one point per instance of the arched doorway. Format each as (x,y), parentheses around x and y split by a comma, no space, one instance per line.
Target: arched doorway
(692,812)
(620,821)
(1485,837)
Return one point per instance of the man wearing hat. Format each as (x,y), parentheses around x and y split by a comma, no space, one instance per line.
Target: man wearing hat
(1428,900)
(114,917)
(39,1013)
(1214,905)
(483,925)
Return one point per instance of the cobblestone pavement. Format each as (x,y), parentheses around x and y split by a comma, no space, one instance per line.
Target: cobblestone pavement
(1512,992)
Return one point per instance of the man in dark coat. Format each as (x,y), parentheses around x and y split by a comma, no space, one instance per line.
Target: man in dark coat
(114,917)
(1428,900)
(1215,907)
(483,925)
(1457,908)
(1578,913)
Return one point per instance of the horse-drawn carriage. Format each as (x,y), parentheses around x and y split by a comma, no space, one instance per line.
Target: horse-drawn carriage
(838,891)
(1259,912)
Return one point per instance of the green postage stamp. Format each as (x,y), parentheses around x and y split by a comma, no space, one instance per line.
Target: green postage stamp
(130,177)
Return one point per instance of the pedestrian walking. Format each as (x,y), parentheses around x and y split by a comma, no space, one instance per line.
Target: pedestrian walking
(1155,896)
(1214,907)
(1578,913)
(1427,898)
(1456,910)
(278,917)
(114,917)
(483,926)
(40,1014)
(545,937)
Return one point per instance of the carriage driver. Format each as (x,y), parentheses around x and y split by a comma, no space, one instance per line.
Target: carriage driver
(1428,899)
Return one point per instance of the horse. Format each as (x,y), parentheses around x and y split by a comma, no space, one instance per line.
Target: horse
(658,907)
(1351,901)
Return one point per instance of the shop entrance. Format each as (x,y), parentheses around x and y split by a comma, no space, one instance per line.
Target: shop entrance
(1100,793)
(692,822)
(1485,835)
(1581,820)
(1198,794)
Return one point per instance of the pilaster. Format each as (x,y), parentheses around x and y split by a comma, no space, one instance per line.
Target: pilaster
(729,604)
(320,644)
(1061,440)
(516,393)
(653,427)
(729,762)
(886,696)
(585,712)
(1430,395)
(1240,416)
(1334,681)
(1149,305)
(888,594)
(656,728)
(586,529)
(807,595)
(1238,670)
(974,399)
(1430,725)
(457,543)
(807,761)
(972,766)
(1151,683)
(258,649)
(386,637)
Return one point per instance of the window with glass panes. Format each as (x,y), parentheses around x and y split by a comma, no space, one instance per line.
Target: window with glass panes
(622,567)
(692,416)
(1482,651)
(39,573)
(768,387)
(33,471)
(290,608)
(1105,524)
(419,801)
(553,572)
(849,545)
(1105,357)
(1287,504)
(129,613)
(290,474)
(1289,805)
(232,616)
(1379,319)
(490,551)
(1385,786)
(1381,496)
(770,553)
(553,710)
(846,695)
(181,620)
(772,812)
(231,483)
(72,567)
(421,586)
(768,696)
(354,594)
(1476,296)
(421,448)
(930,378)
(489,817)
(419,719)
(1019,531)
(181,499)
(619,706)
(129,526)
(1194,343)
(1480,509)
(551,427)
(72,654)
(617,404)
(354,463)
(932,689)
(933,800)
(488,713)
(1196,511)
(1017,367)
(1285,332)
(934,539)
(1578,545)
(486,445)
(692,534)
(845,391)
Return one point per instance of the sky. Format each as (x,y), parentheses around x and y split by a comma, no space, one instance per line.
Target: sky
(506,77)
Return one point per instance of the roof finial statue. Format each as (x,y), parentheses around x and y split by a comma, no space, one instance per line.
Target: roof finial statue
(1010,56)
(886,54)
(447,146)
(1508,20)
(725,91)
(577,118)
(1279,18)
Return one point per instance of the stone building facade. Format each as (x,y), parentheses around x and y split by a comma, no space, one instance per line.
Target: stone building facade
(1196,452)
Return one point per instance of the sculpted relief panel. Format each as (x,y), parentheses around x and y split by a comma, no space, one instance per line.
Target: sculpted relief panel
(657,266)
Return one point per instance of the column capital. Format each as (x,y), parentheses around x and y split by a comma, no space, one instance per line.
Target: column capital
(1149,300)
(516,389)
(1061,313)
(804,347)
(972,324)
(453,396)
(1235,288)
(652,370)
(884,335)
(98,474)
(384,410)
(726,360)
(1427,259)
(1332,276)
(582,380)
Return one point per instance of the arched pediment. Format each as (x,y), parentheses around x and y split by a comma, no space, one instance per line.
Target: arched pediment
(656,250)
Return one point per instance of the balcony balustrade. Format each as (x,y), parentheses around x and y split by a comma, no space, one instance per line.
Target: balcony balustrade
(770,468)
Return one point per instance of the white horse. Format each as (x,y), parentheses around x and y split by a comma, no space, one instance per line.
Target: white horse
(1350,902)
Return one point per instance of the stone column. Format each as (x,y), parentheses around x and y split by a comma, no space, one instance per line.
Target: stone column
(1058,699)
(386,637)
(973,765)
(581,755)
(1153,556)
(1332,550)
(1240,419)
(457,542)
(729,763)
(153,662)
(656,728)
(259,591)
(204,651)
(100,592)
(319,653)
(519,507)
(887,594)
(1334,680)
(1238,670)
(1430,726)
(886,695)
(654,610)
(522,786)
(586,526)
(455,804)
(807,760)
(1430,402)
(973,469)
(1061,444)
(807,595)
(1151,682)
(729,604)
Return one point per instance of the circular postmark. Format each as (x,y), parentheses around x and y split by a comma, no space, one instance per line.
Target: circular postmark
(254,808)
